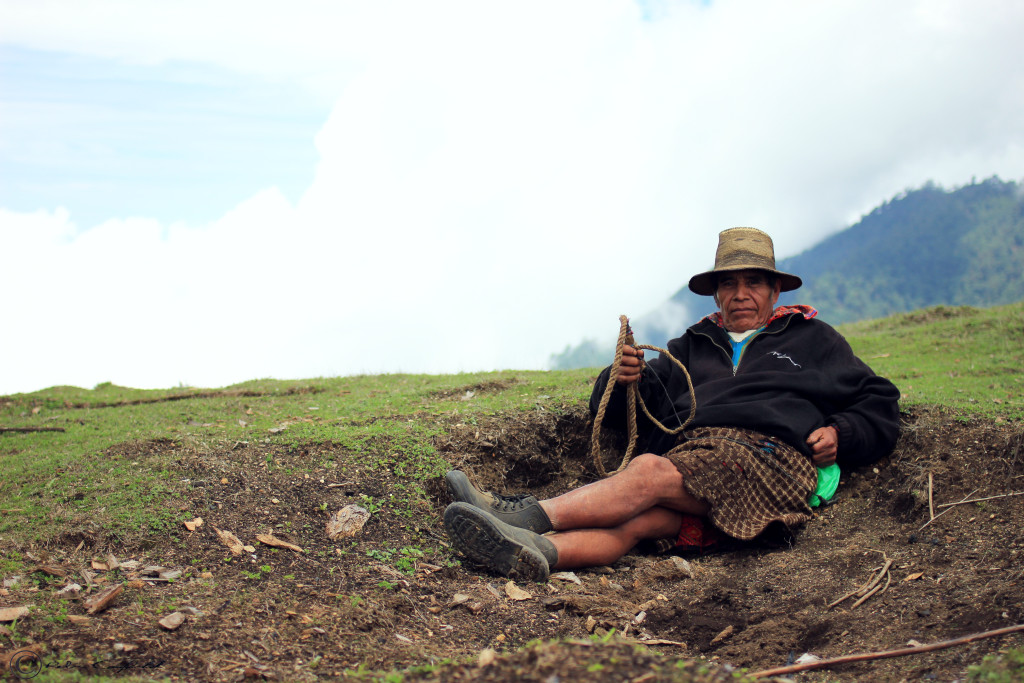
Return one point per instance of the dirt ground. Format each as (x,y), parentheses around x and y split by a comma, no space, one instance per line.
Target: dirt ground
(393,597)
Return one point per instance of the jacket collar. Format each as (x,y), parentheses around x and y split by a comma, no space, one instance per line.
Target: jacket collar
(780,312)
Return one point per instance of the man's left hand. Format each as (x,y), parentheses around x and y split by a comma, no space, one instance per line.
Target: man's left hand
(824,443)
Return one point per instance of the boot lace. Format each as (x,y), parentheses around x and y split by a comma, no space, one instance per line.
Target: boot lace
(513,503)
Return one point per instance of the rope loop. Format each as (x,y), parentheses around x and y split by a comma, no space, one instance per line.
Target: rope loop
(632,399)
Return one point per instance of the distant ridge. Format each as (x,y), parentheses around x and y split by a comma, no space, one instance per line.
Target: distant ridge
(922,248)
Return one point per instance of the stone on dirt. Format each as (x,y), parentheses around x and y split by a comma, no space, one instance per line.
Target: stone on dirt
(12,613)
(346,522)
(486,657)
(172,621)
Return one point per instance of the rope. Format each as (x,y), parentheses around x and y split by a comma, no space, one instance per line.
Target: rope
(632,399)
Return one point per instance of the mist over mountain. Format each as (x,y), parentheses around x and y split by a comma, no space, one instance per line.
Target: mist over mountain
(924,247)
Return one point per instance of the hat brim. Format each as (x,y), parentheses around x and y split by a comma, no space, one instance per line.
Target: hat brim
(704,283)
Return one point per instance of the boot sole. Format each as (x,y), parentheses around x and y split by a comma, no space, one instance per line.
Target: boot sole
(476,536)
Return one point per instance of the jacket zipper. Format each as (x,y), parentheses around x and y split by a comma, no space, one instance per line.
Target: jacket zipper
(728,354)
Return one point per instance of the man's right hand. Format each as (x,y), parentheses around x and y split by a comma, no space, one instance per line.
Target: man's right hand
(632,365)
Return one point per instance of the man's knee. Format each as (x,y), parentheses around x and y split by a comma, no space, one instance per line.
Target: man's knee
(653,465)
(656,473)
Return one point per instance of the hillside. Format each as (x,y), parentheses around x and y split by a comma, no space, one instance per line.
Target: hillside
(98,486)
(925,247)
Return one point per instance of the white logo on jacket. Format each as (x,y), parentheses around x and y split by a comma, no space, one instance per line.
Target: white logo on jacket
(786,357)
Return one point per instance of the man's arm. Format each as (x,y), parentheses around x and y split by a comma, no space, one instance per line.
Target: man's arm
(867,415)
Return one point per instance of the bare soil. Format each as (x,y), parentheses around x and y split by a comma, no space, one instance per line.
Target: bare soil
(365,603)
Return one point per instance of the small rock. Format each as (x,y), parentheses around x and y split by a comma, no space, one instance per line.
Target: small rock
(591,623)
(348,521)
(486,657)
(172,621)
(70,591)
(459,599)
(170,574)
(11,582)
(12,613)
(805,658)
(682,565)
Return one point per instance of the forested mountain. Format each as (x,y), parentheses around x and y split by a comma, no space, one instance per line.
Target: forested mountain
(922,248)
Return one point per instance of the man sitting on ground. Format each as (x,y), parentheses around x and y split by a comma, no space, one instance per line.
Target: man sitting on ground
(778,394)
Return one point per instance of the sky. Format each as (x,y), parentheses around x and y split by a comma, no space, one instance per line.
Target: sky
(205,192)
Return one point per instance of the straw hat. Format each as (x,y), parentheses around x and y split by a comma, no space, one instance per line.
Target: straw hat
(742,249)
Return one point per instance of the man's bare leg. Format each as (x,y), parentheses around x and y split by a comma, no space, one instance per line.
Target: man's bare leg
(593,547)
(648,481)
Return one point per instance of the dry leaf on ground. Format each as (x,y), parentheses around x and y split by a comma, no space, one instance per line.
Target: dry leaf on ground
(233,543)
(274,542)
(514,592)
(103,599)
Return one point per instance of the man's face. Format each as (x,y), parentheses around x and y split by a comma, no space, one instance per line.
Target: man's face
(746,299)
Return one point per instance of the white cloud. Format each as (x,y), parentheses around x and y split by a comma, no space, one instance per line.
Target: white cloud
(496,183)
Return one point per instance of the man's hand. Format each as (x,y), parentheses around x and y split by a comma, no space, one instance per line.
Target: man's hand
(632,365)
(824,443)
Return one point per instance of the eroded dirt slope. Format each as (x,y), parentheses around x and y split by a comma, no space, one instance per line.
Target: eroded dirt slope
(394,597)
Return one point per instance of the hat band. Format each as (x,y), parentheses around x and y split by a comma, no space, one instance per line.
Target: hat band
(746,259)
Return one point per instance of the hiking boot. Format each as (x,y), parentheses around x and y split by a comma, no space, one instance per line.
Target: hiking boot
(505,549)
(520,511)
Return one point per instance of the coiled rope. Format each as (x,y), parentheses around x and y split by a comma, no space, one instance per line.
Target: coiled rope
(632,398)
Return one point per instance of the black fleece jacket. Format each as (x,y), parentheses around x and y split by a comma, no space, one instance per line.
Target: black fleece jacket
(795,376)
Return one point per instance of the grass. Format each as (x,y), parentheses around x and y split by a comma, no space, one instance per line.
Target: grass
(966,359)
(87,477)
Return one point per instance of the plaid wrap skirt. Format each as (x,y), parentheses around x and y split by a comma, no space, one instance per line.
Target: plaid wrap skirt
(750,480)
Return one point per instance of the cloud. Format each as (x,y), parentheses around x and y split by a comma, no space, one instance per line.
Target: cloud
(496,183)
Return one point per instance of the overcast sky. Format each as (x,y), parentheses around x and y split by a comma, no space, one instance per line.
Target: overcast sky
(204,192)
